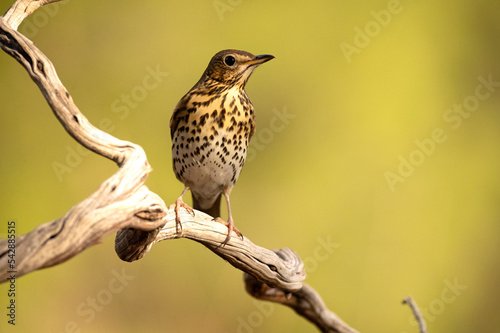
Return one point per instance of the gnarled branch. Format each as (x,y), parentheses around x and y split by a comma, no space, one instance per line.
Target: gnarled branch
(123,203)
(118,201)
(274,276)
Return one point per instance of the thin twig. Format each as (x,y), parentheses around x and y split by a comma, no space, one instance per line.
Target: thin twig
(416,313)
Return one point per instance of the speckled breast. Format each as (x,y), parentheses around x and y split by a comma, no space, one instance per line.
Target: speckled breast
(209,148)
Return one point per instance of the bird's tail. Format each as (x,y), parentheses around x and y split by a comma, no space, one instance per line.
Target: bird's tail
(213,211)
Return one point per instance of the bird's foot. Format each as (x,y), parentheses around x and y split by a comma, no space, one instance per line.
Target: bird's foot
(231,227)
(178,204)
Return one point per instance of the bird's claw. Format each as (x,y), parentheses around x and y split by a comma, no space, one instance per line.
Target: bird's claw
(178,204)
(230,228)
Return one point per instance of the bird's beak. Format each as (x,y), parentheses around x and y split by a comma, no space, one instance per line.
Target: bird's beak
(260,59)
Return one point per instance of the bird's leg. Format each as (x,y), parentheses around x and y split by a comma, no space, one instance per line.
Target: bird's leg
(229,223)
(178,204)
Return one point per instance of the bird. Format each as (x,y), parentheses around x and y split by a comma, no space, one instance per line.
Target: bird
(210,128)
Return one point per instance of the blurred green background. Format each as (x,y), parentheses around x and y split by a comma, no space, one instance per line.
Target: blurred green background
(376,158)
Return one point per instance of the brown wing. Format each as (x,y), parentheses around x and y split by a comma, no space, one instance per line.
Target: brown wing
(180,114)
(252,123)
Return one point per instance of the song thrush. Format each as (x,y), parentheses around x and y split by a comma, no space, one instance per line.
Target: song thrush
(210,129)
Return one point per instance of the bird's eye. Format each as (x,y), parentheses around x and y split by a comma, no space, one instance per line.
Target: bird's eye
(229,60)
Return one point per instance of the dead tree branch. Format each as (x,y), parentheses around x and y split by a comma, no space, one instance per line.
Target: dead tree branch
(306,302)
(124,202)
(274,276)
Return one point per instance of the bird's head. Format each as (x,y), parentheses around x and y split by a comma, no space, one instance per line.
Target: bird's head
(232,67)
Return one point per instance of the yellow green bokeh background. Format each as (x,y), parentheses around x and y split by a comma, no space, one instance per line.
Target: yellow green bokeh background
(319,178)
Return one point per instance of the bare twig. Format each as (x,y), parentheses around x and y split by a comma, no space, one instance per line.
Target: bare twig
(416,313)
